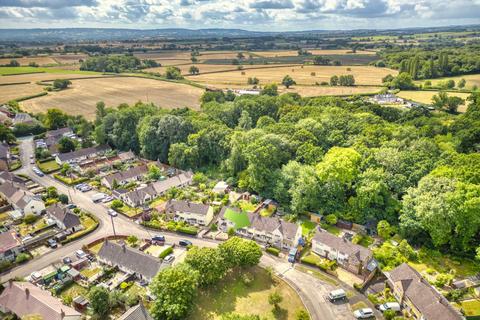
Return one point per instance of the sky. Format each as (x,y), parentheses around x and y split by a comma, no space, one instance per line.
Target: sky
(258,15)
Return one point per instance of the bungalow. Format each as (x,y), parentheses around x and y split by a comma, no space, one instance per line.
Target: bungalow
(21,199)
(138,312)
(81,154)
(24,298)
(129,260)
(268,230)
(120,178)
(190,212)
(64,218)
(350,256)
(10,246)
(418,297)
(4,156)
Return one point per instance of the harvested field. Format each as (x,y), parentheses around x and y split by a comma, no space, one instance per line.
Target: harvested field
(471,80)
(179,55)
(426,96)
(204,68)
(69,58)
(290,53)
(83,94)
(13,71)
(364,75)
(34,77)
(314,91)
(12,92)
(41,61)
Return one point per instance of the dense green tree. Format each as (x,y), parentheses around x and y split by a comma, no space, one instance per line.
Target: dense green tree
(238,252)
(61,84)
(194,70)
(66,144)
(288,81)
(99,301)
(173,73)
(334,80)
(208,262)
(55,119)
(270,89)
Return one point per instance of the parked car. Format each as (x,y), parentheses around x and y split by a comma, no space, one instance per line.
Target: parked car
(185,243)
(158,239)
(395,306)
(71,206)
(67,260)
(169,258)
(32,161)
(80,186)
(112,213)
(52,243)
(336,295)
(107,199)
(37,171)
(80,254)
(365,313)
(98,197)
(292,255)
(85,188)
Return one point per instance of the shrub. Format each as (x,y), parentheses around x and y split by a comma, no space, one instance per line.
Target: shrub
(30,218)
(116,204)
(22,257)
(389,314)
(165,252)
(5,265)
(187,229)
(273,251)
(331,219)
(214,227)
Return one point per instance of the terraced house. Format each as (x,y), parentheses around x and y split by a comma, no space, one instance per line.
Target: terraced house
(418,297)
(266,230)
(121,178)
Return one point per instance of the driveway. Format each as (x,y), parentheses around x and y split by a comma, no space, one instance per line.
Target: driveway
(311,290)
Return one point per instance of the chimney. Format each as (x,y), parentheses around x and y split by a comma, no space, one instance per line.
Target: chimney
(27,293)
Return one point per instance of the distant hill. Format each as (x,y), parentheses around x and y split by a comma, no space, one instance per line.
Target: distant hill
(93,34)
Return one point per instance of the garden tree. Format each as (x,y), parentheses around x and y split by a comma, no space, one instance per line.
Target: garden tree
(194,70)
(173,73)
(270,89)
(253,81)
(384,229)
(461,83)
(6,134)
(174,288)
(157,133)
(477,251)
(154,172)
(275,299)
(346,80)
(245,121)
(100,112)
(288,81)
(66,144)
(406,250)
(55,119)
(63,198)
(308,153)
(403,81)
(132,240)
(99,302)
(302,315)
(443,208)
(116,204)
(208,262)
(331,219)
(238,252)
(61,84)
(319,60)
(183,156)
(334,80)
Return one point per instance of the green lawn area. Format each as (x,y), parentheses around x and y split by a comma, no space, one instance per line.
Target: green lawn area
(86,221)
(128,211)
(363,240)
(135,289)
(25,229)
(155,250)
(240,219)
(307,227)
(20,70)
(233,295)
(266,212)
(156,202)
(49,166)
(88,273)
(332,229)
(471,307)
(73,291)
(246,206)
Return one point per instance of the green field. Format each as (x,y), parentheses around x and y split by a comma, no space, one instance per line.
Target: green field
(5,71)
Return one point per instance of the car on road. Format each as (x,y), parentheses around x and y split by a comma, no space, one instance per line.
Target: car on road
(37,171)
(292,255)
(85,188)
(71,206)
(395,306)
(112,213)
(158,239)
(169,258)
(185,243)
(337,295)
(365,313)
(80,254)
(67,260)
(32,161)
(107,199)
(52,243)
(80,186)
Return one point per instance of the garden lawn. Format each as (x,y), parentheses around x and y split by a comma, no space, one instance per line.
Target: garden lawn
(128,211)
(49,166)
(307,227)
(332,229)
(74,290)
(25,229)
(135,289)
(156,202)
(239,219)
(247,206)
(233,295)
(471,307)
(317,274)
(88,273)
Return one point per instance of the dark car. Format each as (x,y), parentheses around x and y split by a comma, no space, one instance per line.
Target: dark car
(158,239)
(184,243)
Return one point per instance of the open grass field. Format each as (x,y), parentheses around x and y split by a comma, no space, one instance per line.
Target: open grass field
(291,53)
(41,61)
(303,75)
(426,96)
(10,71)
(471,79)
(83,94)
(232,295)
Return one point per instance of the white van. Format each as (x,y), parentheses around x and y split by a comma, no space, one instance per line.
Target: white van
(98,197)
(395,306)
(338,294)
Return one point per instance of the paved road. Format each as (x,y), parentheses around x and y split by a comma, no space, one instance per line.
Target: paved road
(311,290)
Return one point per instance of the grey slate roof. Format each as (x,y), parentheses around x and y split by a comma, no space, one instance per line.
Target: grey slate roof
(132,259)
(426,298)
(58,133)
(130,173)
(137,312)
(82,153)
(270,224)
(4,151)
(68,218)
(186,206)
(354,251)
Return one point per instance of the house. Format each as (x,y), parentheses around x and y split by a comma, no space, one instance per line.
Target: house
(81,154)
(120,178)
(52,138)
(138,312)
(350,256)
(417,296)
(24,298)
(4,156)
(64,218)
(24,118)
(5,110)
(268,230)
(220,188)
(129,260)
(190,212)
(153,190)
(10,246)
(387,98)
(21,199)
(126,156)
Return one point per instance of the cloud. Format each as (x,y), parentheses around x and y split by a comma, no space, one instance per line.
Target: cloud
(54,4)
(272,4)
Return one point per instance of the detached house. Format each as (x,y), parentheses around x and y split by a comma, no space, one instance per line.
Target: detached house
(418,297)
(350,256)
(121,178)
(64,218)
(20,199)
(190,212)
(267,230)
(81,154)
(129,260)
(10,246)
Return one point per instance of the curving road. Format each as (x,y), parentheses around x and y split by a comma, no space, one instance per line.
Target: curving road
(311,290)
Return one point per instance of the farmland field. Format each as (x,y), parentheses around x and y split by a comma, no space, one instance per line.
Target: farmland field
(204,68)
(426,96)
(290,53)
(364,75)
(471,79)
(41,61)
(12,92)
(314,91)
(9,71)
(83,94)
